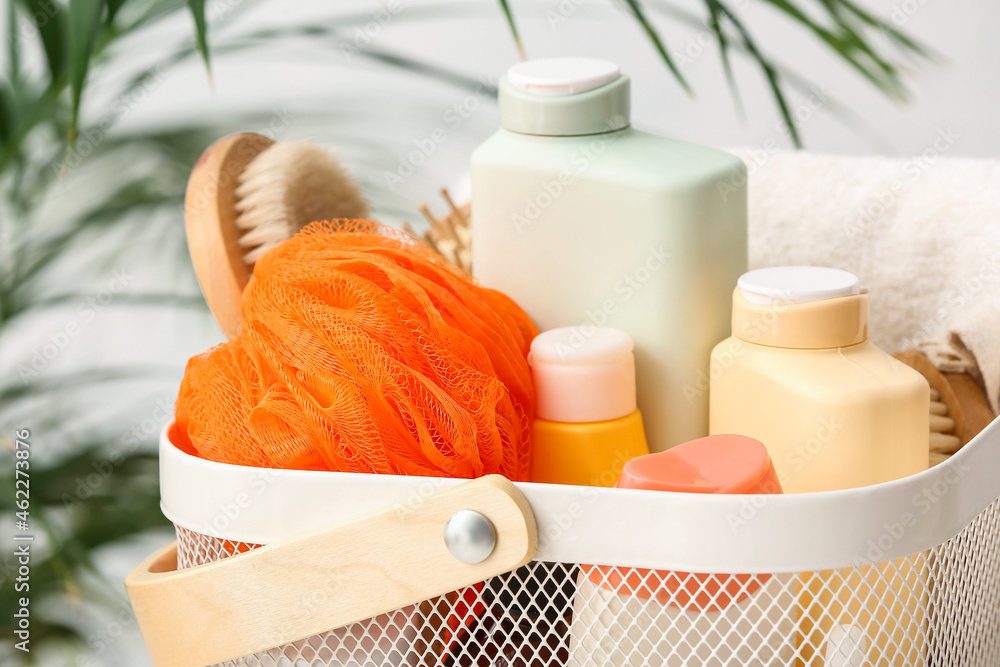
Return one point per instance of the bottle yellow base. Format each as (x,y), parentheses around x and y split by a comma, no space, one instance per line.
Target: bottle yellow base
(587,454)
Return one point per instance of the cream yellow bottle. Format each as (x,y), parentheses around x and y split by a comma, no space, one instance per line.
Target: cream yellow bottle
(800,374)
(587,425)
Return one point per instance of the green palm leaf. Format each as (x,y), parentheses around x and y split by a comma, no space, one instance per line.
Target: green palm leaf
(84,23)
(197,8)
(658,43)
(505,5)
(51,22)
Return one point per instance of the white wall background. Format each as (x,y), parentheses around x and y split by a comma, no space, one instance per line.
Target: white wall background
(374,113)
(472,38)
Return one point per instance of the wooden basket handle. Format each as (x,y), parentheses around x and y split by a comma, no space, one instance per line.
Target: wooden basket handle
(318,581)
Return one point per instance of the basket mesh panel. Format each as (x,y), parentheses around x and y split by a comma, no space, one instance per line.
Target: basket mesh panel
(940,608)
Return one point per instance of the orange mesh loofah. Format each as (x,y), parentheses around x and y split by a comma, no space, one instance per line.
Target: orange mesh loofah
(363,351)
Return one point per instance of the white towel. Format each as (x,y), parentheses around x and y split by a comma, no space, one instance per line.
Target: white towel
(923,234)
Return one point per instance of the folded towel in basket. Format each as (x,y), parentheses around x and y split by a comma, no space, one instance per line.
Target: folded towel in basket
(922,233)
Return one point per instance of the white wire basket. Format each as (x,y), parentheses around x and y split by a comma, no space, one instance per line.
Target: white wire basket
(355,572)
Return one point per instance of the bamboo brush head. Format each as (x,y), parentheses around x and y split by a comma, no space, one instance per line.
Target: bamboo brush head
(288,186)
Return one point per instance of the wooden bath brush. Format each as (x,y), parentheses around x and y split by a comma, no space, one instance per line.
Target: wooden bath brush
(959,408)
(246,194)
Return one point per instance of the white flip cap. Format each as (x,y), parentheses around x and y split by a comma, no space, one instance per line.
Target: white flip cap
(796,284)
(583,374)
(562,76)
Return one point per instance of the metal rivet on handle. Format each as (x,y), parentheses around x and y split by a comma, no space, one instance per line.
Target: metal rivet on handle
(469,536)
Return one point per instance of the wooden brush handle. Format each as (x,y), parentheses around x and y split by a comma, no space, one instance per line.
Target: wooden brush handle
(210,223)
(966,403)
(323,580)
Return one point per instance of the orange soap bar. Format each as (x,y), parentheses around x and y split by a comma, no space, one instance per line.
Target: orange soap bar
(716,464)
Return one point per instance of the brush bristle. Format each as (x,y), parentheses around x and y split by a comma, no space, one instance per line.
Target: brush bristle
(288,186)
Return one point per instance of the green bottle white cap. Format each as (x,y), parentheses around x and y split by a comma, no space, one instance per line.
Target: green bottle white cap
(564,97)
(562,76)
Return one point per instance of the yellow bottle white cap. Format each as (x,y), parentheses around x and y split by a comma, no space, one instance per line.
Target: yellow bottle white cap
(583,374)
(796,284)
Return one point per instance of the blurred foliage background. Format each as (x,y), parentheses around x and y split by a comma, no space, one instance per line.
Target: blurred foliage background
(93,248)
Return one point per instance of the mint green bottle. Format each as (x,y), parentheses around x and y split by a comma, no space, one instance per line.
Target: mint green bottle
(582,219)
